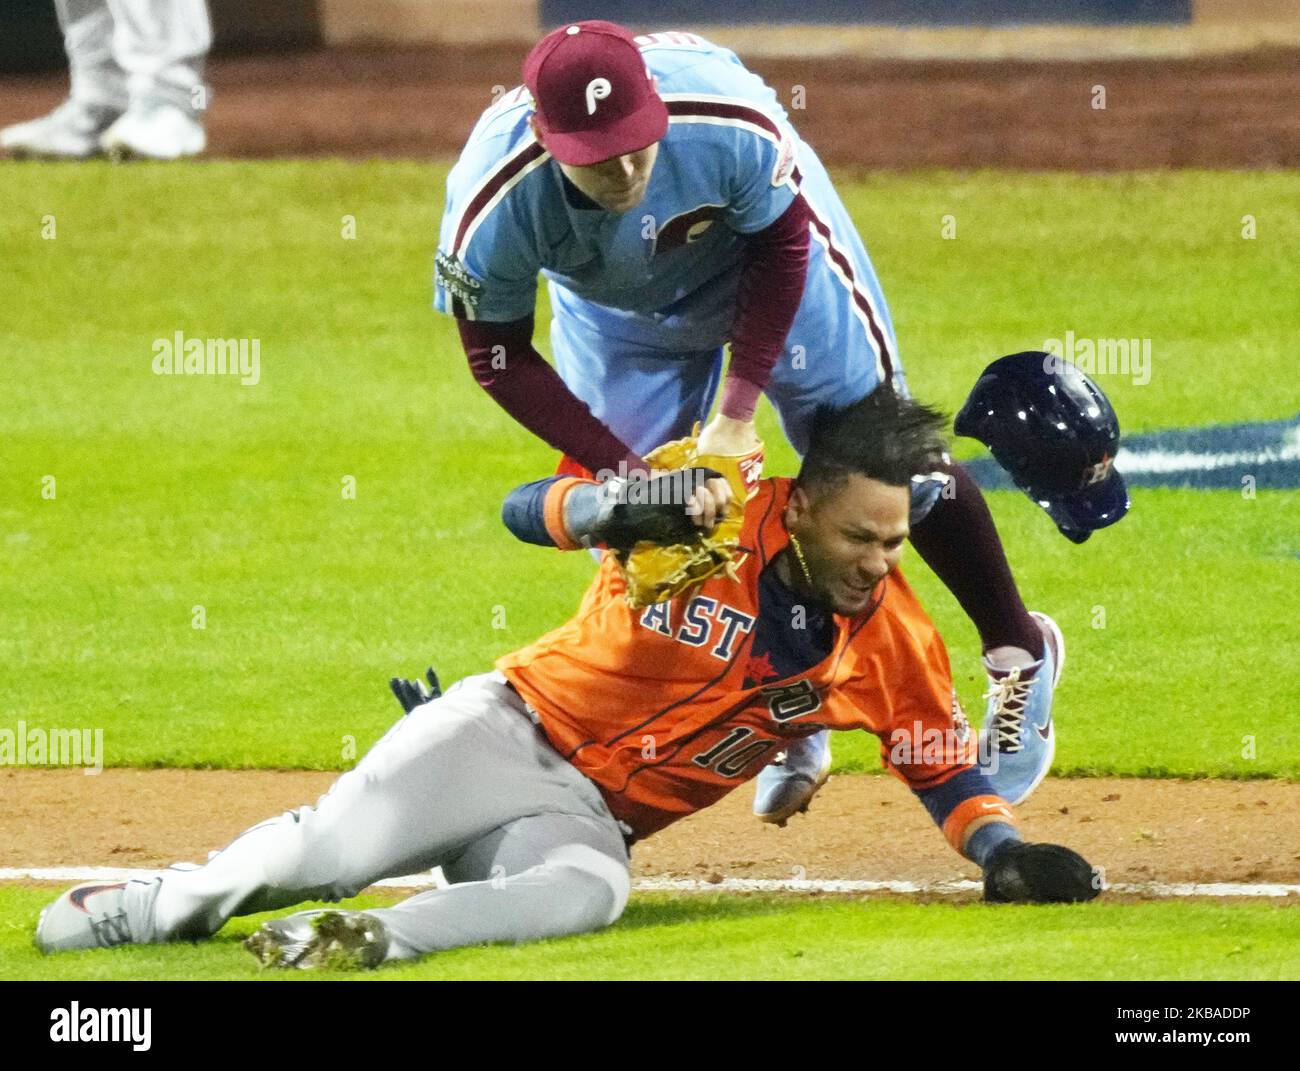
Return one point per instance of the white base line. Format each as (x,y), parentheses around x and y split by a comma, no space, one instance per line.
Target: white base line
(949,888)
(727,885)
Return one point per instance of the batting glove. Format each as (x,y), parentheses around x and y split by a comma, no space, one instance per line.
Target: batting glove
(412,694)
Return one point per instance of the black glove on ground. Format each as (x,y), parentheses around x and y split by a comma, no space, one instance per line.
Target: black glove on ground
(1039,874)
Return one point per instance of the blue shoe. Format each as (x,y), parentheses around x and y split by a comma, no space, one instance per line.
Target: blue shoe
(1018,739)
(787,785)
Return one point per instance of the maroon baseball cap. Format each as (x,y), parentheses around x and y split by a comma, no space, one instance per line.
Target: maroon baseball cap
(594,96)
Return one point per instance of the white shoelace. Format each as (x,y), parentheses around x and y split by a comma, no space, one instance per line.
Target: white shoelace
(1010,694)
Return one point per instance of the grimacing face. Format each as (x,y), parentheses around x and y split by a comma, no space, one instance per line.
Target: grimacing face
(617,184)
(851,535)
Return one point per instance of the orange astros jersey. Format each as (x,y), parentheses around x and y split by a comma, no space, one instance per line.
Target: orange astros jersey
(661,709)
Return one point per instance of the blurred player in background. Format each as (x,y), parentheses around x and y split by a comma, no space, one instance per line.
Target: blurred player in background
(661,189)
(137,83)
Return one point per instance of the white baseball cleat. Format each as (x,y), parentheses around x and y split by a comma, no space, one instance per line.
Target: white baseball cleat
(154,130)
(786,786)
(70,132)
(99,915)
(321,940)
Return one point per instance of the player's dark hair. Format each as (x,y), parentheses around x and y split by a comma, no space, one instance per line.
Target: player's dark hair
(885,436)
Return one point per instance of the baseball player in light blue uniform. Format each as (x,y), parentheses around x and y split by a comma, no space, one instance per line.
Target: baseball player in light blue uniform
(643,303)
(651,272)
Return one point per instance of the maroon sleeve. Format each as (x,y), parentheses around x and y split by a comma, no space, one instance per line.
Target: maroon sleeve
(506,365)
(771,287)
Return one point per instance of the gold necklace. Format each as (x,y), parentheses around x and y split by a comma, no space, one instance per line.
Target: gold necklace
(798,553)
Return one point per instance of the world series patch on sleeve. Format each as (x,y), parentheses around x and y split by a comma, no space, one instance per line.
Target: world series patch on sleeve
(457,280)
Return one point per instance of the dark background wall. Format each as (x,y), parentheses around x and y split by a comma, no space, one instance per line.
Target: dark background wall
(887,12)
(30,38)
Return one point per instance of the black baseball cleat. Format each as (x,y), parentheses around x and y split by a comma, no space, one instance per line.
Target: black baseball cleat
(412,694)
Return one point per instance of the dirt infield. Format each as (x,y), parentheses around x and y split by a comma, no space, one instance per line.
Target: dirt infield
(1229,111)
(861,827)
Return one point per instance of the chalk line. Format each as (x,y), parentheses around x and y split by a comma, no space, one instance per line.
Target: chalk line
(1154,889)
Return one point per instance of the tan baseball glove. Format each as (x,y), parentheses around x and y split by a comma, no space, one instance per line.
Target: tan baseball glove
(656,572)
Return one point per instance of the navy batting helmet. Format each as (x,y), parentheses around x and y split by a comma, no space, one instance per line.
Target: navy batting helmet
(1055,433)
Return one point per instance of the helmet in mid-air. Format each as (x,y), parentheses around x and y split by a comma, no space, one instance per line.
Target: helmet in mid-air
(1055,433)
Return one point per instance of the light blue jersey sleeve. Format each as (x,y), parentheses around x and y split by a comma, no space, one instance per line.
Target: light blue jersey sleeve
(710,92)
(759,193)
(487,263)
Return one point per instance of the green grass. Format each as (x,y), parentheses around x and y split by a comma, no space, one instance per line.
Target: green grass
(177,492)
(773,938)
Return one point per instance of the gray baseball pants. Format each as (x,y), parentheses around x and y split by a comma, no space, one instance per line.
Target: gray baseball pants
(467,782)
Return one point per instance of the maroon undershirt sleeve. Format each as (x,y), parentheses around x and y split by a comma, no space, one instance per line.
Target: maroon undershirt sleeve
(531,391)
(506,365)
(771,287)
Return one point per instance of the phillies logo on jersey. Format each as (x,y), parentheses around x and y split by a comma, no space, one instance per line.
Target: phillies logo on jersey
(685,228)
(597,89)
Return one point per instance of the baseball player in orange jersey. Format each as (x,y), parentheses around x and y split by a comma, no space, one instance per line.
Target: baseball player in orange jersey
(528,784)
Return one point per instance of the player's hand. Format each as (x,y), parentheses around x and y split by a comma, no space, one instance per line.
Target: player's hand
(710,502)
(654,510)
(728,437)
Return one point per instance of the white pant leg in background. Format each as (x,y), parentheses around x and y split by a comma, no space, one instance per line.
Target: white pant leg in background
(97,77)
(162,46)
(120,50)
(466,782)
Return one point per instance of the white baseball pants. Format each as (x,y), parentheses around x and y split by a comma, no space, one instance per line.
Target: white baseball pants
(122,50)
(467,782)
